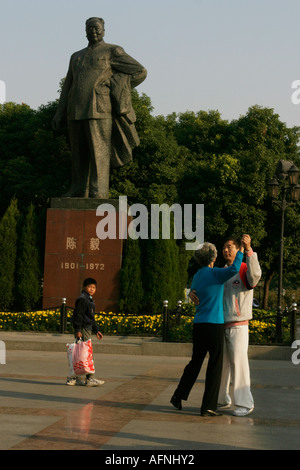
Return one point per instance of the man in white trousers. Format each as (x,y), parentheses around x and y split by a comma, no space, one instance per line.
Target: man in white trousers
(237,305)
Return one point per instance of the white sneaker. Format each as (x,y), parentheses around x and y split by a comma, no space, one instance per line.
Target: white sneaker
(94,382)
(242,411)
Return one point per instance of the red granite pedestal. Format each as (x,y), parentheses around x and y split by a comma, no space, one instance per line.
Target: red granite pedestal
(74,252)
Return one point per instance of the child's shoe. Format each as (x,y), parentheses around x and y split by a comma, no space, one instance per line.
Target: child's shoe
(71,381)
(92,382)
(74,381)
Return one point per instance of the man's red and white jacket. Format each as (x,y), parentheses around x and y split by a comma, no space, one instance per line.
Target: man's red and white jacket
(238,292)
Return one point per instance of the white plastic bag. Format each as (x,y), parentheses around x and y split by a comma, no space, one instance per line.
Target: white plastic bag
(70,358)
(80,358)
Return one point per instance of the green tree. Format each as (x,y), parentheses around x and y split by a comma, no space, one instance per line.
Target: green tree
(34,161)
(161,274)
(131,287)
(228,171)
(157,275)
(260,140)
(157,164)
(28,265)
(8,253)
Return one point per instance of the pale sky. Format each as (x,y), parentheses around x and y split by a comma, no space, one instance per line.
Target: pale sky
(225,55)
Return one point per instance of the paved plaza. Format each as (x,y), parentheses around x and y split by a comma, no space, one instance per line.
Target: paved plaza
(131,411)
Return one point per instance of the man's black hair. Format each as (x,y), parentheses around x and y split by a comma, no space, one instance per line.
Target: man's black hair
(235,240)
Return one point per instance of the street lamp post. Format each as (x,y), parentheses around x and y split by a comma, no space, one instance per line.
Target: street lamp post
(287,173)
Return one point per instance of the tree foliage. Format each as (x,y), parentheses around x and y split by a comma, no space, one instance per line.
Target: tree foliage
(131,284)
(8,254)
(29,278)
(34,162)
(186,158)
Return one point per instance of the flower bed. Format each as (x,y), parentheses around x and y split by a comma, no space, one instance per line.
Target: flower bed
(42,320)
(261,328)
(109,323)
(140,325)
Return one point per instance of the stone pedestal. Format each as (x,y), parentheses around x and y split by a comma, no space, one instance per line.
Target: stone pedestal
(74,252)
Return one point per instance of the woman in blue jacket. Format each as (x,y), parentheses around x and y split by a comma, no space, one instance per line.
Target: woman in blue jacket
(208,328)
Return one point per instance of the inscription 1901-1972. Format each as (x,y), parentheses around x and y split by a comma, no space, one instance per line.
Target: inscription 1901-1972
(89,266)
(71,244)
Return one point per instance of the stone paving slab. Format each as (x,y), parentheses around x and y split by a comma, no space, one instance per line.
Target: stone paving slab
(131,411)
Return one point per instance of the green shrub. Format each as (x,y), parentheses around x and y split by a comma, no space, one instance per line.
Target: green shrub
(262,327)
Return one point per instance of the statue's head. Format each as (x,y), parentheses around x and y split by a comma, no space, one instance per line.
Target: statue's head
(94,29)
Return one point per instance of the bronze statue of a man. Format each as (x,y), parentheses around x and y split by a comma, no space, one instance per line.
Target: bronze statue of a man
(96,101)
